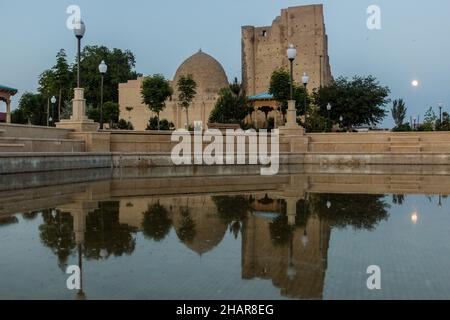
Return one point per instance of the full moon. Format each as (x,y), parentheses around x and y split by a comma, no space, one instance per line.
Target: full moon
(415,83)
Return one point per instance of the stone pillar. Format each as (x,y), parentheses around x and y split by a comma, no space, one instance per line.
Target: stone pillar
(8,110)
(291,115)
(78,121)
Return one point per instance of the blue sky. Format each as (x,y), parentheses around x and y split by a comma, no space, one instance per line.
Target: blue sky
(412,44)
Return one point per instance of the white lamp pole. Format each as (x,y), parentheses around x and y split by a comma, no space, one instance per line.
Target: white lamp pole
(103,68)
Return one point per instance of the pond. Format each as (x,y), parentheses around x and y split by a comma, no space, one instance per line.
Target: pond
(199,235)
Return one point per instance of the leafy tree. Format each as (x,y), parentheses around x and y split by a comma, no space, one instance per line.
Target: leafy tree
(359,101)
(231,106)
(187,90)
(398,112)
(403,128)
(124,125)
(430,117)
(280,88)
(32,109)
(164,125)
(120,69)
(445,125)
(48,88)
(111,112)
(155,91)
(62,78)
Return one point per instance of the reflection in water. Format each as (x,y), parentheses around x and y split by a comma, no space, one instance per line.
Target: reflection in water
(292,255)
(156,224)
(57,233)
(283,233)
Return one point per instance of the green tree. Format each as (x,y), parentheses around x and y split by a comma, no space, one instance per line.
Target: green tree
(62,78)
(430,116)
(187,90)
(32,109)
(359,101)
(48,87)
(120,69)
(280,88)
(155,91)
(231,106)
(398,112)
(124,125)
(164,125)
(111,112)
(445,125)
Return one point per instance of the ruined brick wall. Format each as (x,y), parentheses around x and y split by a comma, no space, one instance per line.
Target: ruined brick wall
(264,48)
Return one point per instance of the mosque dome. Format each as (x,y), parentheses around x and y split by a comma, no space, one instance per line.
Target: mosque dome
(207,72)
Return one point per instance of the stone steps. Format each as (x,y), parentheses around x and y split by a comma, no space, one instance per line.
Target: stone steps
(403,139)
(8,144)
(11,147)
(405,148)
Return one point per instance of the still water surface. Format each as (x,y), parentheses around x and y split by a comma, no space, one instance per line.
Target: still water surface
(158,238)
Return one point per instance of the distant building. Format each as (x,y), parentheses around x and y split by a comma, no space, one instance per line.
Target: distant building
(264,49)
(210,77)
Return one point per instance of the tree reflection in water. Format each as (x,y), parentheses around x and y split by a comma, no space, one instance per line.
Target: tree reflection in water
(360,211)
(186,233)
(56,233)
(156,224)
(30,215)
(105,235)
(233,210)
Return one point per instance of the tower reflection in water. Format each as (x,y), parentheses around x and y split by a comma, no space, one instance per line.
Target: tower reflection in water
(284,238)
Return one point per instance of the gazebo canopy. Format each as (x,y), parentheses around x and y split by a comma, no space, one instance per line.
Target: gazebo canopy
(261,96)
(5,95)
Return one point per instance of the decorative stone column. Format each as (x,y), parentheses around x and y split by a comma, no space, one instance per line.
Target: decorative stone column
(291,127)
(78,121)
(8,110)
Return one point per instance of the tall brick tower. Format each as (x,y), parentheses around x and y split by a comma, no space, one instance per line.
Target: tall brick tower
(264,49)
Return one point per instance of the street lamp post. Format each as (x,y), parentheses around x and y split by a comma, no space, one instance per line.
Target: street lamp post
(291,116)
(292,54)
(440,104)
(103,68)
(329,114)
(341,119)
(53,101)
(79,34)
(305,80)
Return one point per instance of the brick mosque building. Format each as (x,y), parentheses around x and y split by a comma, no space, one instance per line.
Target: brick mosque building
(263,51)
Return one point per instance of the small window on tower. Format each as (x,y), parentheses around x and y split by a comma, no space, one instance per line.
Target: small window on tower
(264,33)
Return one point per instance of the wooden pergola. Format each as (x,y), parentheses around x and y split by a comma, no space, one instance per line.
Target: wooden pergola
(5,95)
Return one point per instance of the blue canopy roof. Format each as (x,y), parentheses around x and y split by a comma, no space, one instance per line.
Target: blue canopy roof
(11,90)
(261,96)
